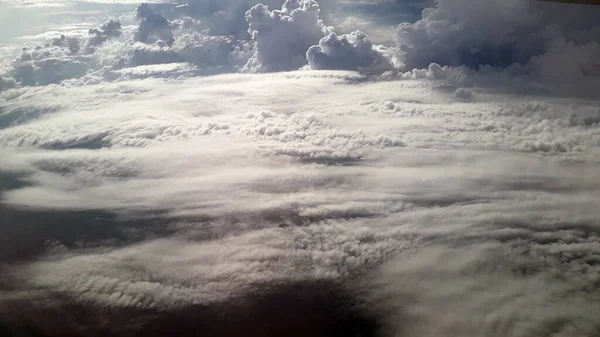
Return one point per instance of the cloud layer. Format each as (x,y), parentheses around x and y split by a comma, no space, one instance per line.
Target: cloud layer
(206,189)
(446,185)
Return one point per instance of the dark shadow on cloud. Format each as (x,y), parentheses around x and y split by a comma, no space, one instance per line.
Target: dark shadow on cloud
(309,308)
(93,142)
(22,115)
(441,201)
(342,161)
(28,233)
(11,181)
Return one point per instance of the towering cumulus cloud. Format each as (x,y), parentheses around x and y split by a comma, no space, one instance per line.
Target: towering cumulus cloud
(500,33)
(283,36)
(352,51)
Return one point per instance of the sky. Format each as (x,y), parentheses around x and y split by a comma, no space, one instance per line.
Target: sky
(390,168)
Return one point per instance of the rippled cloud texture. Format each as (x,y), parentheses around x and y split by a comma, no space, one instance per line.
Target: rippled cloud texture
(259,169)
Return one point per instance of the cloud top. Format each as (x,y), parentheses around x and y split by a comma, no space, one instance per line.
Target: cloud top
(352,51)
(283,36)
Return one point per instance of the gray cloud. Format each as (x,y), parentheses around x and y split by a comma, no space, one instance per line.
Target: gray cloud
(501,34)
(7,83)
(153,26)
(71,43)
(226,17)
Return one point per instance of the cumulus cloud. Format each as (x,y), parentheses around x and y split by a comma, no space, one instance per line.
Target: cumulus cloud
(46,65)
(225,17)
(283,36)
(7,83)
(97,36)
(352,51)
(501,34)
(71,43)
(61,59)
(153,26)
(103,55)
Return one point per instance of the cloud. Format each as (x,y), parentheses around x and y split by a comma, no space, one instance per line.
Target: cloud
(454,199)
(283,36)
(71,43)
(97,36)
(7,83)
(47,65)
(352,51)
(153,26)
(104,54)
(61,59)
(472,34)
(195,191)
(502,34)
(224,17)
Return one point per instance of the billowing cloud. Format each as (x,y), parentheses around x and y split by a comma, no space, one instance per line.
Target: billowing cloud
(46,65)
(97,36)
(61,59)
(153,26)
(352,51)
(283,36)
(7,83)
(222,17)
(71,43)
(501,33)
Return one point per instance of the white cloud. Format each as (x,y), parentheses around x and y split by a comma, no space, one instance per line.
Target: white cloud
(47,65)
(462,206)
(97,36)
(61,59)
(283,36)
(352,51)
